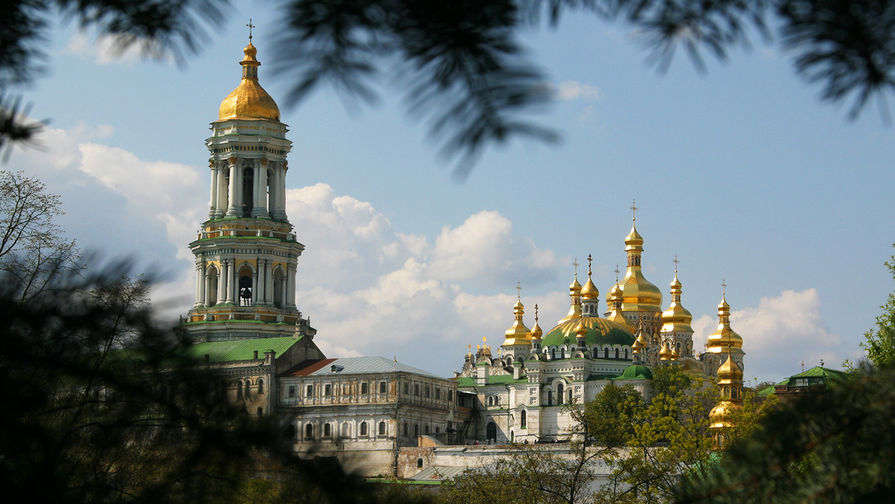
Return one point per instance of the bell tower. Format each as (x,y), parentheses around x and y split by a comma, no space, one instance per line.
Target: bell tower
(246,252)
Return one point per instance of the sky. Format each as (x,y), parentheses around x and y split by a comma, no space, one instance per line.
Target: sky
(741,171)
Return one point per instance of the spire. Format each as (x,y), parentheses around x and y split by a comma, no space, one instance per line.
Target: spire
(639,294)
(536,331)
(723,336)
(574,297)
(517,334)
(590,291)
(676,319)
(249,100)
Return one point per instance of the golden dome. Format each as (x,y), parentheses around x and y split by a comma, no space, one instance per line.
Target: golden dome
(517,334)
(724,336)
(575,298)
(721,416)
(639,295)
(249,100)
(730,371)
(633,241)
(676,318)
(665,352)
(536,331)
(575,287)
(590,291)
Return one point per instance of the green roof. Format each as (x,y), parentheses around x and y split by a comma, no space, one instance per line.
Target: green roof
(599,332)
(468,381)
(769,390)
(636,372)
(821,372)
(242,349)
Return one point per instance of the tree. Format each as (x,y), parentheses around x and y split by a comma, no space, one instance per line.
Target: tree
(462,63)
(33,248)
(880,342)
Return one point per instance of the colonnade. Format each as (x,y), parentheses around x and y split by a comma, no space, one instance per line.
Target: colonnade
(268,189)
(270,286)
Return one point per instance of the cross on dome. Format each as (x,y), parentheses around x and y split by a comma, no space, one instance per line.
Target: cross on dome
(634,210)
(250,25)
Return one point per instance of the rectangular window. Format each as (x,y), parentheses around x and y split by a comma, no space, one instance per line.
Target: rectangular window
(364,389)
(328,390)
(309,392)
(427,391)
(406,386)
(291,390)
(450,395)
(416,389)
(437,393)
(383,387)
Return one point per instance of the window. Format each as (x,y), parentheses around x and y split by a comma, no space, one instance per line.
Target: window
(596,353)
(437,393)
(260,386)
(363,428)
(522,419)
(427,429)
(616,353)
(416,430)
(559,393)
(327,430)
(291,390)
(239,389)
(364,388)
(450,395)
(427,391)
(309,431)
(327,390)
(437,429)
(419,463)
(309,392)
(381,428)
(605,353)
(406,387)
(405,428)
(626,354)
(247,388)
(549,398)
(416,389)
(383,387)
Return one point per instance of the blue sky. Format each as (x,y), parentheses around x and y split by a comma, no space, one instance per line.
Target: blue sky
(741,171)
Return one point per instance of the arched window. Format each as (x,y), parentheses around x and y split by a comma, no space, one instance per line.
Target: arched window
(247,388)
(562,353)
(626,354)
(419,463)
(381,428)
(522,419)
(616,353)
(549,398)
(260,411)
(211,286)
(248,191)
(309,431)
(363,428)
(491,433)
(245,286)
(239,389)
(327,430)
(426,427)
(595,353)
(605,353)
(552,353)
(260,386)
(559,393)
(279,286)
(416,430)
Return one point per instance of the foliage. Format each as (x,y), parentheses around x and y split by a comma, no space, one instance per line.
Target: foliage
(880,343)
(607,421)
(33,248)
(532,474)
(103,407)
(461,62)
(828,446)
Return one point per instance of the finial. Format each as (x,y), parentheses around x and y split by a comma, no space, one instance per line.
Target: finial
(723,289)
(536,313)
(518,291)
(589,260)
(821,363)
(575,264)
(803,364)
(395,357)
(616,274)
(676,262)
(634,210)
(469,346)
(250,25)
(484,339)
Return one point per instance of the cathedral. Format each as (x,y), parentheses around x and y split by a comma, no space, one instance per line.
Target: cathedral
(521,389)
(252,338)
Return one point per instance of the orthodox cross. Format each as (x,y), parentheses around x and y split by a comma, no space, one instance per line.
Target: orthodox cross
(676,262)
(616,274)
(518,291)
(536,313)
(723,288)
(634,210)
(589,260)
(575,263)
(250,25)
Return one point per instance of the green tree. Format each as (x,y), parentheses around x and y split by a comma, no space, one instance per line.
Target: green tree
(461,62)
(879,343)
(608,420)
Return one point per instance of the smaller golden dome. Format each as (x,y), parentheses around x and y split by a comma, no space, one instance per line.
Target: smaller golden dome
(249,100)
(517,334)
(580,329)
(724,336)
(590,291)
(536,331)
(633,240)
(665,352)
(729,370)
(575,287)
(721,416)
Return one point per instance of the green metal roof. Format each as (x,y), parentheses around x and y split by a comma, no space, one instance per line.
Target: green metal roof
(599,332)
(636,372)
(242,349)
(820,372)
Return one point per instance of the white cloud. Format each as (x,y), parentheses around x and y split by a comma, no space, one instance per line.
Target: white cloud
(110,49)
(574,90)
(780,333)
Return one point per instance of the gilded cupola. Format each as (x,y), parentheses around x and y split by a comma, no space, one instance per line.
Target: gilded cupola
(249,100)
(639,295)
(517,334)
(724,337)
(536,331)
(676,319)
(574,298)
(723,415)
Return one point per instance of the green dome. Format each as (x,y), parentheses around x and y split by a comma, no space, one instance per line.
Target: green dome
(599,332)
(636,372)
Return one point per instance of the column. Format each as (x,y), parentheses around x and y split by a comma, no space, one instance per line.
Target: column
(281,194)
(202,279)
(208,300)
(223,201)
(261,180)
(255,284)
(268,283)
(198,282)
(233,191)
(214,192)
(290,285)
(272,200)
(234,282)
(226,276)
